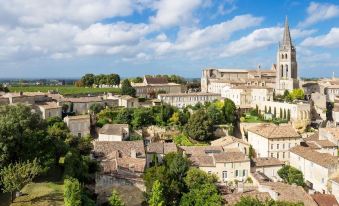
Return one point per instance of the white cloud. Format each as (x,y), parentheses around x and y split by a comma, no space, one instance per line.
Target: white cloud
(194,38)
(329,40)
(318,12)
(260,38)
(39,12)
(174,12)
(112,34)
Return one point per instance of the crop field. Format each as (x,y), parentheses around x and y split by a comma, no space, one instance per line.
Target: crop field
(64,90)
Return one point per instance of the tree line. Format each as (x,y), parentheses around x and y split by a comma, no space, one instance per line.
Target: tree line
(102,79)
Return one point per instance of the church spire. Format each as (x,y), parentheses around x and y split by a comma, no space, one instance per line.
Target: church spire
(287,41)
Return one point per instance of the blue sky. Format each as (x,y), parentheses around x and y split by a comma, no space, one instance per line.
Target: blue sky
(68,38)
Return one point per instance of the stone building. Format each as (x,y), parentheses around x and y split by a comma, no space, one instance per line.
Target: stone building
(158,150)
(316,167)
(151,86)
(270,140)
(114,132)
(49,109)
(269,166)
(282,76)
(79,126)
(182,100)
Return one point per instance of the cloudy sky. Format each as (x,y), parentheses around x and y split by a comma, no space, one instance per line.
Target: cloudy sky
(67,38)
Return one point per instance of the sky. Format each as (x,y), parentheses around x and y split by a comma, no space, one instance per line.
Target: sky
(68,38)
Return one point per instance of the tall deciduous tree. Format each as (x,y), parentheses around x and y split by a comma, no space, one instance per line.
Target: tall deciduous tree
(199,126)
(229,111)
(88,80)
(127,89)
(16,175)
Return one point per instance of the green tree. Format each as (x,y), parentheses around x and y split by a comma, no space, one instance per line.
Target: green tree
(142,117)
(297,94)
(124,116)
(113,79)
(88,80)
(229,111)
(96,108)
(16,175)
(206,194)
(199,126)
(196,177)
(157,195)
(251,152)
(115,200)
(291,175)
(215,114)
(72,192)
(137,80)
(24,136)
(127,89)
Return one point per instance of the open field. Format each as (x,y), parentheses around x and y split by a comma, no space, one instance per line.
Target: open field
(64,90)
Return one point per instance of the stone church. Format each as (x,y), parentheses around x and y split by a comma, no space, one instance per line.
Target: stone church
(282,76)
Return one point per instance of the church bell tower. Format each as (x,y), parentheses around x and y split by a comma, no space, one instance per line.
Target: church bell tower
(287,67)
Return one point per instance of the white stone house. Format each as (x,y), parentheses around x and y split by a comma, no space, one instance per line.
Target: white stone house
(334,183)
(182,100)
(270,140)
(316,167)
(269,166)
(228,165)
(79,125)
(114,132)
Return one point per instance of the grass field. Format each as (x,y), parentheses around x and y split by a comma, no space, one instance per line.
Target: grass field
(64,90)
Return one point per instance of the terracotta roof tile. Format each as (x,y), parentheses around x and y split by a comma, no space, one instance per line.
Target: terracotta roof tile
(272,131)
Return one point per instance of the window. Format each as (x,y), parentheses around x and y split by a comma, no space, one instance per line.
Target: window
(278,155)
(209,172)
(284,155)
(236,173)
(271,146)
(244,173)
(277,146)
(272,155)
(283,146)
(224,174)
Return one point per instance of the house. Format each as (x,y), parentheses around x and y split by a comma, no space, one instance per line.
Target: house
(114,132)
(229,142)
(79,125)
(158,150)
(49,109)
(335,112)
(228,165)
(321,144)
(182,100)
(122,164)
(128,101)
(151,86)
(15,98)
(82,105)
(334,184)
(331,134)
(247,95)
(317,167)
(289,193)
(270,140)
(121,157)
(269,166)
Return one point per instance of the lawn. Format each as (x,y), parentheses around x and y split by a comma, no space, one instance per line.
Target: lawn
(64,90)
(46,190)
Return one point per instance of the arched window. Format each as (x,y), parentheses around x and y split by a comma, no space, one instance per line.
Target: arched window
(282,56)
(285,56)
(282,70)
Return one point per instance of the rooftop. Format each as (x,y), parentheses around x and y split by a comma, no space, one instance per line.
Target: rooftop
(78,117)
(325,200)
(227,141)
(267,161)
(189,94)
(156,80)
(113,129)
(322,159)
(83,99)
(161,148)
(49,105)
(272,131)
